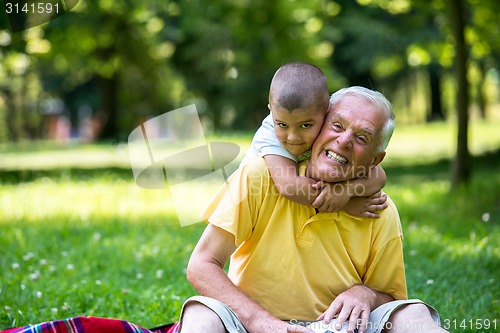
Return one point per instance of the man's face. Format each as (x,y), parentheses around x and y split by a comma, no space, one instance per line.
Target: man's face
(346,147)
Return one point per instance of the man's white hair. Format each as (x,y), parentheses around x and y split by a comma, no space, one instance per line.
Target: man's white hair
(376,98)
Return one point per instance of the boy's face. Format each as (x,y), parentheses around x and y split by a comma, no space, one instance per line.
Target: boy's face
(297,129)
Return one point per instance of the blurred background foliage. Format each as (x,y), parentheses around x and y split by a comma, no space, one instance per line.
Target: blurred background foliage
(98,71)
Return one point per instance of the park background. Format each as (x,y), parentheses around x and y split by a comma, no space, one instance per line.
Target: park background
(79,237)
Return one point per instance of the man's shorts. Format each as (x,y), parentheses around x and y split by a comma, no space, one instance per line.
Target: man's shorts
(376,323)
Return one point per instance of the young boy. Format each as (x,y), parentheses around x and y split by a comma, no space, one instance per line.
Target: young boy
(299,101)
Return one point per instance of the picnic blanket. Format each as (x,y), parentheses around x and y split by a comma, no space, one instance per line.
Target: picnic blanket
(91,325)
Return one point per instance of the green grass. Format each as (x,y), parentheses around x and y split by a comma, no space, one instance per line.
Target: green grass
(81,240)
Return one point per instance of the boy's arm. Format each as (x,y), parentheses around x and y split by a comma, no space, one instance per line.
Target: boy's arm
(368,186)
(331,196)
(336,196)
(288,182)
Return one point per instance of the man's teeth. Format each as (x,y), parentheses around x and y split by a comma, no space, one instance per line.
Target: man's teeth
(338,158)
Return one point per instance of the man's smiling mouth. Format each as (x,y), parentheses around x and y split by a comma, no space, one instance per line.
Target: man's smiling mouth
(334,156)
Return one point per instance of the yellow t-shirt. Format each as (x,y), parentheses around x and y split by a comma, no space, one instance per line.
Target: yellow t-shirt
(293,261)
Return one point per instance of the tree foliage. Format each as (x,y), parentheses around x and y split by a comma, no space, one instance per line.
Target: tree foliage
(117,63)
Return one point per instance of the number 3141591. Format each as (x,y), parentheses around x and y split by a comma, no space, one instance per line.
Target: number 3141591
(473,324)
(33,8)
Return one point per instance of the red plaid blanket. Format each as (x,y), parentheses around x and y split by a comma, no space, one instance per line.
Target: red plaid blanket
(91,325)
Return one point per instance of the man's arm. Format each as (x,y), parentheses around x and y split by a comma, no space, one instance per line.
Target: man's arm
(206,273)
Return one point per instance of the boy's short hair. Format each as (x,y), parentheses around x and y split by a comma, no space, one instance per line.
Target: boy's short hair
(298,85)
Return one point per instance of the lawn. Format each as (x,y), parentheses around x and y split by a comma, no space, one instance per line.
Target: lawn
(78,237)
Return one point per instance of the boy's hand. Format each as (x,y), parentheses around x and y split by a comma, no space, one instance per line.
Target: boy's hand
(333,197)
(367,206)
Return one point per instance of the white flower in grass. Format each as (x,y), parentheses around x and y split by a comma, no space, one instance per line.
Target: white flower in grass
(65,307)
(96,237)
(35,275)
(23,287)
(159,273)
(98,282)
(43,262)
(15,266)
(429,282)
(38,294)
(54,310)
(28,256)
(7,308)
(486,217)
(139,276)
(70,267)
(52,268)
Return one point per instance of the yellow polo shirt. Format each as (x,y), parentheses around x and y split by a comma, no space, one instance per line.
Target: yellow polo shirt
(293,261)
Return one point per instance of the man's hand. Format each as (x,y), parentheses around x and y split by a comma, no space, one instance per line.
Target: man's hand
(354,306)
(367,206)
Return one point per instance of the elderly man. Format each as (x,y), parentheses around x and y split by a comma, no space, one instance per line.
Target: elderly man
(289,264)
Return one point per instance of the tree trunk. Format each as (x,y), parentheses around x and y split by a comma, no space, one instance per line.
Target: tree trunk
(436,113)
(481,98)
(461,170)
(107,115)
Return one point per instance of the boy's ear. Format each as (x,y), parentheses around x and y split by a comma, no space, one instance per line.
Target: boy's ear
(378,158)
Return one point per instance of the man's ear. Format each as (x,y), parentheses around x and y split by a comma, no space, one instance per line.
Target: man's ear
(269,106)
(378,158)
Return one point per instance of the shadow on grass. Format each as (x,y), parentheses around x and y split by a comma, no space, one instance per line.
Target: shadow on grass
(441,169)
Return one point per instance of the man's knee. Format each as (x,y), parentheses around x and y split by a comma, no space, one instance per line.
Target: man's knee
(416,310)
(197,317)
(413,318)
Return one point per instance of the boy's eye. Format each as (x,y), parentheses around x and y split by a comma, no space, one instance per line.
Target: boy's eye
(306,125)
(282,125)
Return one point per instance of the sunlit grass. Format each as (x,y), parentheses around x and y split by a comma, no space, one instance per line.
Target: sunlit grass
(431,142)
(102,247)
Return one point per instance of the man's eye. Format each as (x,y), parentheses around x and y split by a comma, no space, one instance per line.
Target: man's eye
(282,125)
(362,139)
(337,126)
(306,125)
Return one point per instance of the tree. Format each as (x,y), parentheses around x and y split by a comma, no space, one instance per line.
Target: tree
(461,166)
